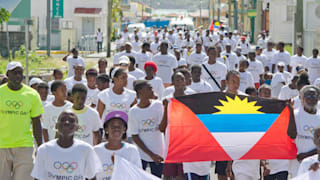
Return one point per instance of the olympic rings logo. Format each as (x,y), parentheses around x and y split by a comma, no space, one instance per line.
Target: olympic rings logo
(65,166)
(308,129)
(118,106)
(82,129)
(148,123)
(108,168)
(14,104)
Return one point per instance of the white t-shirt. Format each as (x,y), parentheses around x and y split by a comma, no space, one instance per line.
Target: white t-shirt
(76,162)
(100,36)
(165,63)
(245,47)
(170,90)
(233,60)
(246,80)
(200,168)
(92,96)
(131,79)
(287,93)
(276,84)
(89,122)
(278,165)
(128,151)
(142,58)
(72,62)
(224,60)
(297,60)
(307,163)
(201,86)
(123,53)
(157,86)
(313,66)
(217,70)
(50,117)
(136,46)
(154,47)
(269,55)
(196,58)
(263,58)
(116,102)
(249,168)
(70,82)
(145,123)
(255,68)
(281,57)
(137,73)
(182,62)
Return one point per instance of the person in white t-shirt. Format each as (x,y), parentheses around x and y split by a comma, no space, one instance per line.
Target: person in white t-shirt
(306,119)
(102,66)
(52,110)
(154,47)
(88,118)
(313,66)
(127,52)
(289,91)
(166,63)
(269,53)
(115,127)
(239,55)
(57,75)
(137,73)
(182,63)
(92,95)
(43,91)
(99,40)
(77,78)
(311,163)
(143,124)
(143,56)
(298,59)
(136,44)
(124,62)
(196,57)
(116,98)
(262,41)
(278,81)
(103,82)
(245,46)
(231,56)
(281,56)
(156,83)
(198,84)
(66,157)
(217,69)
(256,69)
(73,60)
(246,78)
(262,58)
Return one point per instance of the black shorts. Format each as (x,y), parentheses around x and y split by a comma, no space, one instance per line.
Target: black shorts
(221,167)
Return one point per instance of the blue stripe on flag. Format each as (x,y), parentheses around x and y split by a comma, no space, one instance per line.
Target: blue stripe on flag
(237,122)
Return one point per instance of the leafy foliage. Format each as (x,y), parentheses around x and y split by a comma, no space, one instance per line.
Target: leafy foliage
(4,15)
(116,16)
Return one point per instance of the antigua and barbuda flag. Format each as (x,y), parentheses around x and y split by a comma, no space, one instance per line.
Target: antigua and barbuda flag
(218,127)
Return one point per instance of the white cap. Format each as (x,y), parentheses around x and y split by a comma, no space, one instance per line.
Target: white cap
(281,64)
(124,60)
(128,43)
(12,65)
(317,82)
(35,81)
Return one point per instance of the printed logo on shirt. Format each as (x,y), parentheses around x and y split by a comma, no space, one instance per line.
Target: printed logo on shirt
(118,106)
(80,132)
(148,123)
(12,104)
(108,168)
(65,167)
(308,129)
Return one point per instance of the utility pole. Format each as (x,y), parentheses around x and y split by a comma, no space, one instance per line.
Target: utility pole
(108,37)
(257,25)
(48,27)
(235,14)
(298,26)
(8,40)
(27,23)
(242,15)
(219,6)
(253,20)
(229,14)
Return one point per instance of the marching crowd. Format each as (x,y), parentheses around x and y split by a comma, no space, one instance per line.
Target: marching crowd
(80,122)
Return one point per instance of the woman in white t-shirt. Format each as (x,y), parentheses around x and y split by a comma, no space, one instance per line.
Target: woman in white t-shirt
(156,83)
(307,118)
(246,78)
(115,127)
(117,98)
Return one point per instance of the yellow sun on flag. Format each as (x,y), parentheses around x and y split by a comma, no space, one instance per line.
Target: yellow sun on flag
(238,106)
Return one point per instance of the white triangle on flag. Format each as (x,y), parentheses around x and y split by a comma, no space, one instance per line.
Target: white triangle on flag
(237,144)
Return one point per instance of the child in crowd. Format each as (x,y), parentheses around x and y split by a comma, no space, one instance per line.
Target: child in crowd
(34,82)
(124,64)
(88,118)
(103,82)
(115,127)
(197,84)
(92,96)
(246,78)
(136,72)
(66,157)
(144,120)
(156,82)
(251,91)
(53,109)
(102,65)
(43,92)
(57,75)
(76,78)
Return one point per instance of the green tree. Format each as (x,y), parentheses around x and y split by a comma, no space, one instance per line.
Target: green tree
(116,16)
(4,15)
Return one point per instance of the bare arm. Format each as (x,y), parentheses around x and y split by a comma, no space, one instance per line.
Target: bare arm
(65,57)
(155,157)
(96,137)
(37,130)
(164,122)
(292,129)
(273,67)
(45,135)
(100,108)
